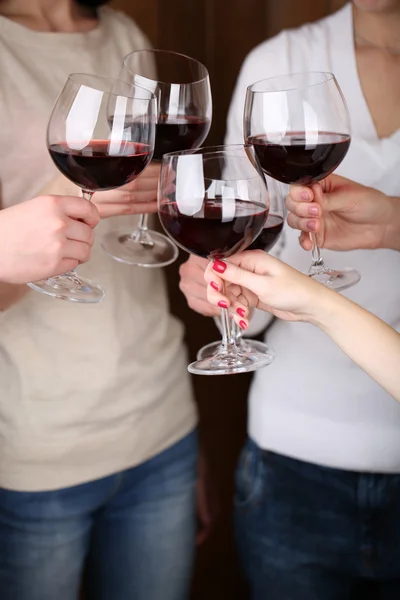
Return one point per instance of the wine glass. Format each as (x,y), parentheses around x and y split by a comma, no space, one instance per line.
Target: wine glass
(266,241)
(213,202)
(182,87)
(300,128)
(92,142)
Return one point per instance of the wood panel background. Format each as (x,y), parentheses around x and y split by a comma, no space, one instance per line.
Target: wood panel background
(219,33)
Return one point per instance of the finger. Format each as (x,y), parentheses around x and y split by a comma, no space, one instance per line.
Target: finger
(303,224)
(301,193)
(193,289)
(131,196)
(145,184)
(203,307)
(78,208)
(239,307)
(215,297)
(211,277)
(305,241)
(77,251)
(79,231)
(65,265)
(303,209)
(111,209)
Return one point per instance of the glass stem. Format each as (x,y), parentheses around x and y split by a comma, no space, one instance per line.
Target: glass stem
(317,260)
(236,332)
(228,343)
(87,195)
(142,234)
(143,220)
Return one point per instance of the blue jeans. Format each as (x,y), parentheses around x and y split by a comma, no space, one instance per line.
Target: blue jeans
(132,534)
(306,532)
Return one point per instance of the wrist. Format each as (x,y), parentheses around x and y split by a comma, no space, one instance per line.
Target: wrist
(326,305)
(391,238)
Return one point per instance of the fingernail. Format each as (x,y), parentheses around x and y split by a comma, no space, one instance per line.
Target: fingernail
(214,286)
(311,225)
(222,304)
(304,195)
(241,312)
(242,324)
(313,211)
(219,266)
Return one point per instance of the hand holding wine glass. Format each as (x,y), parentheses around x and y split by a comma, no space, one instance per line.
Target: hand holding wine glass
(216,207)
(60,234)
(92,142)
(266,241)
(138,196)
(343,214)
(182,87)
(300,129)
(256,280)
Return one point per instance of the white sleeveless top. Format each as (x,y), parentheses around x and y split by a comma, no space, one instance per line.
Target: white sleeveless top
(313,403)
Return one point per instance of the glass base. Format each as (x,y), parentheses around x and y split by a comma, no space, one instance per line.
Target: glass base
(141,248)
(230,363)
(245,345)
(70,287)
(335,279)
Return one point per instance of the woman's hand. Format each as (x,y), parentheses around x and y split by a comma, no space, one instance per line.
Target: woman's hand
(135,198)
(46,236)
(345,215)
(255,279)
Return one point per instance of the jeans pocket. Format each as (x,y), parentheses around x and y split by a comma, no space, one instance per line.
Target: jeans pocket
(250,476)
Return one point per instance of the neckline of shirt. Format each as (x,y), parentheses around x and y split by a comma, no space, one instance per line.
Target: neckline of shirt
(24,36)
(345,54)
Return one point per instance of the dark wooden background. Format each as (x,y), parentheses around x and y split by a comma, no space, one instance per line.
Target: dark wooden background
(219,33)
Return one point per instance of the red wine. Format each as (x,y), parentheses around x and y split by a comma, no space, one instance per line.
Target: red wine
(207,234)
(93,168)
(269,235)
(301,158)
(179,133)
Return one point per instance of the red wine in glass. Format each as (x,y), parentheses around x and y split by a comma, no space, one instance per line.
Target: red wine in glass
(207,233)
(94,168)
(269,235)
(299,157)
(179,133)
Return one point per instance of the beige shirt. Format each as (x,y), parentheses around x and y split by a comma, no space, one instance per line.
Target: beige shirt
(85,390)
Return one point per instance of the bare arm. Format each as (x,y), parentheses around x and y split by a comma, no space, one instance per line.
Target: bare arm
(368,341)
(269,284)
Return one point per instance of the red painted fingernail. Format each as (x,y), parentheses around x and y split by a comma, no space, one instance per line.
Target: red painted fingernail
(219,266)
(241,312)
(242,324)
(222,304)
(214,286)
(304,195)
(311,225)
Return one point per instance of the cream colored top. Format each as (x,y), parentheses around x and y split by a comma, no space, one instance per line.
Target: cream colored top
(85,391)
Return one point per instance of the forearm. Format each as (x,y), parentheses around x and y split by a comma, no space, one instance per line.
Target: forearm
(369,342)
(392,234)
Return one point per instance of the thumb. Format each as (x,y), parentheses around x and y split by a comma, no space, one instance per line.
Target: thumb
(332,193)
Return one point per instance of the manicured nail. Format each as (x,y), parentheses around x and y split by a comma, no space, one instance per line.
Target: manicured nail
(222,304)
(313,211)
(311,225)
(219,266)
(304,195)
(241,312)
(242,324)
(214,286)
